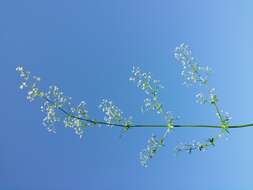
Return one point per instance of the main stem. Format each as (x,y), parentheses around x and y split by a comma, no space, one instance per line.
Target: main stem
(145,125)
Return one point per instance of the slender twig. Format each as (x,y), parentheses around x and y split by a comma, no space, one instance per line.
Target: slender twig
(146,125)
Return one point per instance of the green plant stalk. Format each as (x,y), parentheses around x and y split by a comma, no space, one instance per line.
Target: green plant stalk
(147,125)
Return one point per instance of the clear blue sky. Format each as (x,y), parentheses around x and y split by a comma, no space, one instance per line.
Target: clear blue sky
(88,47)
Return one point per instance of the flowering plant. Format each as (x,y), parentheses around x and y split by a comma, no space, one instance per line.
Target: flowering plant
(58,107)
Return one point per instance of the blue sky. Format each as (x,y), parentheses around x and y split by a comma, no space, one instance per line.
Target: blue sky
(88,48)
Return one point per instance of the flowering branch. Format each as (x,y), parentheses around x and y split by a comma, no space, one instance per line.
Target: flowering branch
(58,107)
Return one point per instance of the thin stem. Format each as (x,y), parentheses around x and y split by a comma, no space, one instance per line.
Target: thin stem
(145,125)
(218,112)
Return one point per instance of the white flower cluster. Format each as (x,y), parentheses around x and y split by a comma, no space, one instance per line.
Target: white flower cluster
(74,121)
(224,117)
(149,151)
(200,98)
(145,82)
(195,74)
(150,86)
(29,83)
(51,116)
(24,75)
(192,72)
(55,101)
(152,104)
(113,115)
(74,118)
(195,145)
(213,96)
(203,99)
(54,94)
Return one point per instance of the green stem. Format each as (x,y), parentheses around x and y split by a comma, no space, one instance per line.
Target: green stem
(218,112)
(146,125)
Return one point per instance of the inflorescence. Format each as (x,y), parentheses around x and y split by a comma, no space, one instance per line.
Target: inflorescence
(194,74)
(151,149)
(152,87)
(113,115)
(58,108)
(54,101)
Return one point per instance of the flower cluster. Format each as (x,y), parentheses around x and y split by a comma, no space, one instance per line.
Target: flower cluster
(54,94)
(200,98)
(195,74)
(51,117)
(145,82)
(192,72)
(24,75)
(195,145)
(154,144)
(150,86)
(29,83)
(211,98)
(152,104)
(54,101)
(113,115)
(76,119)
(224,117)
(150,150)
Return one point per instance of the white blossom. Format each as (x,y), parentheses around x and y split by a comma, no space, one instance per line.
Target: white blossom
(192,72)
(195,145)
(29,83)
(149,152)
(145,82)
(51,117)
(113,115)
(55,101)
(55,95)
(74,120)
(150,86)
(201,99)
(112,112)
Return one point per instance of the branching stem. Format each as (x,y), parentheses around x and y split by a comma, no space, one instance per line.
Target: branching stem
(147,125)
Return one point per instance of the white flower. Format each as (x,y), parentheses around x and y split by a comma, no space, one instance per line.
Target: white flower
(113,115)
(55,101)
(150,86)
(149,152)
(192,72)
(200,98)
(112,112)
(145,82)
(195,145)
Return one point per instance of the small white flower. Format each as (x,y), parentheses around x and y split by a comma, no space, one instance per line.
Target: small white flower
(145,82)
(192,72)
(113,115)
(200,98)
(150,151)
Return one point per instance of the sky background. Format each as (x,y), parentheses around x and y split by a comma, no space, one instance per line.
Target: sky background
(88,48)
